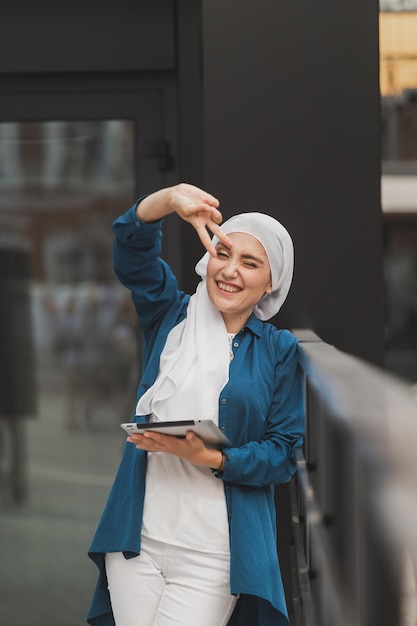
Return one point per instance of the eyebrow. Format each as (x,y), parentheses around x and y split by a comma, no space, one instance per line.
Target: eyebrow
(243,256)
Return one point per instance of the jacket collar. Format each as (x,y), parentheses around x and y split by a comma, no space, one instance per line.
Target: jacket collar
(255,325)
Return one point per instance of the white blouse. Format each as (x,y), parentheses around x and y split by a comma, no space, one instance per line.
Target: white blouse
(185,504)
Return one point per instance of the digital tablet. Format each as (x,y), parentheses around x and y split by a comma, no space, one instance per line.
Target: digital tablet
(206,429)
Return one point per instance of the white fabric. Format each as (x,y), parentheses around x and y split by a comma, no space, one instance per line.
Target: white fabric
(169,586)
(202,333)
(280,252)
(185,504)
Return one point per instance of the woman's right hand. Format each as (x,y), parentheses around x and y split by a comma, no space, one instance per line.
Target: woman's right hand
(193,205)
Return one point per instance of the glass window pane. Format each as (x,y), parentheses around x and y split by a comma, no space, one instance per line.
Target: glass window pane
(68,336)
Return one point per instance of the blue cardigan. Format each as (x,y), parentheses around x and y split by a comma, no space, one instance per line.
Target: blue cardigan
(261,410)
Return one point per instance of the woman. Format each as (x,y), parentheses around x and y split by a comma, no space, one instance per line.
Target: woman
(199,547)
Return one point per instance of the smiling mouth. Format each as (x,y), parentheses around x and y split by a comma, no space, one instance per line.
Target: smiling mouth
(228,288)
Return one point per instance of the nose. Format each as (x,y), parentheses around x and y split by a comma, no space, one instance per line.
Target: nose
(230,268)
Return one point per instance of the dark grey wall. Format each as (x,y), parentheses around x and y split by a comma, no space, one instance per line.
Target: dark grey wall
(79,36)
(291,121)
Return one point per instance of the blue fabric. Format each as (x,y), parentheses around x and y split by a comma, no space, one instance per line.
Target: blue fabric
(261,410)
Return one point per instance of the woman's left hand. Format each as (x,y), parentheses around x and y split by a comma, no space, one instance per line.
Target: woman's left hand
(191,448)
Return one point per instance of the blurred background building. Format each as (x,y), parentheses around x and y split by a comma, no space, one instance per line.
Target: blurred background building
(398,82)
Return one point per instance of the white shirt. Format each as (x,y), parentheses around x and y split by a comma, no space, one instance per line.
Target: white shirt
(185,504)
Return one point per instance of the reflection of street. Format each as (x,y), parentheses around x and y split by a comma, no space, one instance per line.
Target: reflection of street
(67,155)
(44,542)
(86,336)
(86,375)
(59,184)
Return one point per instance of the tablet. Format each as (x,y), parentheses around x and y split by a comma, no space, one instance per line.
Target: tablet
(206,429)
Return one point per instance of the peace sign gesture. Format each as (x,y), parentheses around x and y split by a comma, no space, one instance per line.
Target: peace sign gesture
(193,205)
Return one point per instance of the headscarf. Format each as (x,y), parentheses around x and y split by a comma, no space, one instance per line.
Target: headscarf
(201,342)
(278,246)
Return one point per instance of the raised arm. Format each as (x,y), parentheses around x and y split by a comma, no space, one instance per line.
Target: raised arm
(192,204)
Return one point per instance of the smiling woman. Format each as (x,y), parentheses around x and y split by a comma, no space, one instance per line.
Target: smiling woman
(262,244)
(218,571)
(237,278)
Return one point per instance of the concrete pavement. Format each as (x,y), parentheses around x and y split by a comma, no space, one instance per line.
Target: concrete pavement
(46,578)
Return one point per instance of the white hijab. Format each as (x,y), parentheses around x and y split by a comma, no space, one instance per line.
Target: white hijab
(279,249)
(201,341)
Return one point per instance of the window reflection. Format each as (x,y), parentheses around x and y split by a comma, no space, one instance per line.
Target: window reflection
(69,348)
(58,186)
(90,156)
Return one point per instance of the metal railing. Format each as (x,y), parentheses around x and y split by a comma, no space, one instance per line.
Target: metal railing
(354,497)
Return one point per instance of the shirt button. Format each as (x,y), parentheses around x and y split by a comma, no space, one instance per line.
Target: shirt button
(223,400)
(222,429)
(236,345)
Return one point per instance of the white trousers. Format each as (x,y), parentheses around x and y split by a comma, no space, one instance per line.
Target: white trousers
(169,585)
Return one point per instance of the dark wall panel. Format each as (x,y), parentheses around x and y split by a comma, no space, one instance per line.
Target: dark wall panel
(81,36)
(291,114)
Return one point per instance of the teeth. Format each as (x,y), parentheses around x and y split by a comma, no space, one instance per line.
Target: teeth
(228,288)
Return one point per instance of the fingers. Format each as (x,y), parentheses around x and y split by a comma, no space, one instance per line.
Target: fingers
(216,216)
(151,442)
(157,442)
(187,200)
(212,202)
(216,230)
(200,209)
(204,221)
(206,239)
(188,448)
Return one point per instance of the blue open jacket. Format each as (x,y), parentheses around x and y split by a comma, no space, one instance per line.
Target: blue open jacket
(260,410)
